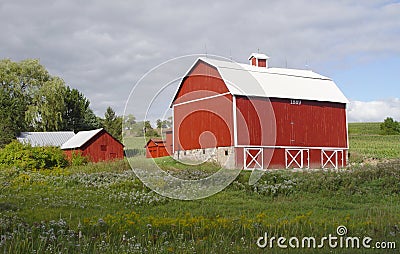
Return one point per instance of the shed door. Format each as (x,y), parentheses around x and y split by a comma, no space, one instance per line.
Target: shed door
(297,158)
(253,158)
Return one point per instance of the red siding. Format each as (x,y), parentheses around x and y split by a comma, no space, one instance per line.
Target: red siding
(308,124)
(262,63)
(311,123)
(253,61)
(102,147)
(156,149)
(203,124)
(204,80)
(168,142)
(255,121)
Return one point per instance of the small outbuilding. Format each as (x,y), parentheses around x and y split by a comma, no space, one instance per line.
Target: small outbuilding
(156,148)
(97,145)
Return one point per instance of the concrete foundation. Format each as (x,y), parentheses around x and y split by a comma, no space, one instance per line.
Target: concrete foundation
(224,156)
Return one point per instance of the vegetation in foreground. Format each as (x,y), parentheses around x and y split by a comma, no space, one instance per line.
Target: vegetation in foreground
(104,208)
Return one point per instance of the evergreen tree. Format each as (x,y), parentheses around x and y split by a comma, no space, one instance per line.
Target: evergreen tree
(113,123)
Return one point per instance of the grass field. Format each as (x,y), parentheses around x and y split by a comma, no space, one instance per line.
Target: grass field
(104,208)
(366,143)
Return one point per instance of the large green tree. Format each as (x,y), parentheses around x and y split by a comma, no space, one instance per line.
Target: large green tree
(113,123)
(32,99)
(45,113)
(19,81)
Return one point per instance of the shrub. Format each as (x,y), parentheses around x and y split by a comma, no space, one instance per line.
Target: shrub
(77,159)
(390,127)
(26,157)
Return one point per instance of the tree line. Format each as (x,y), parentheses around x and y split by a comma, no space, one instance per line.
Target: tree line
(33,100)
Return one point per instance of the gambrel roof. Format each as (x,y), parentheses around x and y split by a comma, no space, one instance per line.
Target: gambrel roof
(248,80)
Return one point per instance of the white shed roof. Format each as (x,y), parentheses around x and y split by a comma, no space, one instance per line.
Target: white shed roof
(80,139)
(248,80)
(56,138)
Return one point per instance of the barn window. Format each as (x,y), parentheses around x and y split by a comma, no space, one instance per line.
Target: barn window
(103,148)
(204,151)
(226,152)
(184,152)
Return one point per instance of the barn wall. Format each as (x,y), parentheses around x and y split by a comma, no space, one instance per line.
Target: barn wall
(103,147)
(263,121)
(310,123)
(168,142)
(255,121)
(156,149)
(202,81)
(203,124)
(275,158)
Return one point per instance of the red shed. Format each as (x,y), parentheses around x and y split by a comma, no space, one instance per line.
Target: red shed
(252,116)
(98,145)
(156,148)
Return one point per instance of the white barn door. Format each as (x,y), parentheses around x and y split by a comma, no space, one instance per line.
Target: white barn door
(332,158)
(297,158)
(253,158)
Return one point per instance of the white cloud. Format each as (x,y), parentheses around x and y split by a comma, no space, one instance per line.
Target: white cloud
(373,111)
(98,45)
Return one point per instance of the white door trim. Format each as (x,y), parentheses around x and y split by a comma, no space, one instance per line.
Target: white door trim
(253,158)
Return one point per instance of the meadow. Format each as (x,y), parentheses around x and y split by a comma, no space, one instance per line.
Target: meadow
(104,207)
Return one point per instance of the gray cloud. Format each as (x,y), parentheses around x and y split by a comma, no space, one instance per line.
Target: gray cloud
(104,47)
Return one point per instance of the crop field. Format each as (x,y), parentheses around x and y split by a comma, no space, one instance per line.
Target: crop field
(367,144)
(104,207)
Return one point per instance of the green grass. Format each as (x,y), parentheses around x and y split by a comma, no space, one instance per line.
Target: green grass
(134,142)
(366,143)
(104,208)
(364,128)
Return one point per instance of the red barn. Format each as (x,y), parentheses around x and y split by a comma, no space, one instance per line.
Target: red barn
(156,148)
(97,145)
(252,116)
(159,148)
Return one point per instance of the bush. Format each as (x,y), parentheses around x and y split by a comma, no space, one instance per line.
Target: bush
(26,157)
(390,127)
(77,159)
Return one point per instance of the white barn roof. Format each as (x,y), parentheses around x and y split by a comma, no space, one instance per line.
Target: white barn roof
(80,139)
(56,138)
(248,80)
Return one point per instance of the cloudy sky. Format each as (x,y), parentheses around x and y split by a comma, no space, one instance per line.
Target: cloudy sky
(104,47)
